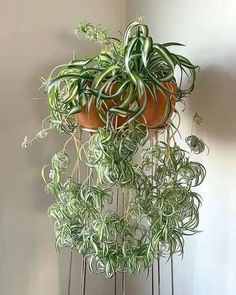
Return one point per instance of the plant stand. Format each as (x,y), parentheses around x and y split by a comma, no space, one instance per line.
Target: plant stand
(155,277)
(120,279)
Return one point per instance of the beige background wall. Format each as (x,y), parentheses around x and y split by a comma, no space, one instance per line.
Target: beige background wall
(36,36)
(208,29)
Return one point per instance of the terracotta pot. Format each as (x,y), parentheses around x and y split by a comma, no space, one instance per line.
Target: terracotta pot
(156,114)
(153,115)
(92,120)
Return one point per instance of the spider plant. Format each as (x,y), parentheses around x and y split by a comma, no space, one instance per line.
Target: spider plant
(134,64)
(143,170)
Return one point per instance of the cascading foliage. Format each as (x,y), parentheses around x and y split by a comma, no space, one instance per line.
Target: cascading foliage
(160,207)
(130,196)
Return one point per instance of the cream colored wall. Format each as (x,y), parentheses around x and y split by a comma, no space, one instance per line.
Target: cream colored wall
(36,36)
(208,29)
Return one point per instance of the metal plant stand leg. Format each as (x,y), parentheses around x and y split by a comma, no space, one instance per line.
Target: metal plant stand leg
(84,260)
(83,276)
(115,279)
(158,260)
(159,276)
(123,283)
(70,269)
(172,275)
(152,172)
(117,212)
(123,273)
(153,281)
(77,175)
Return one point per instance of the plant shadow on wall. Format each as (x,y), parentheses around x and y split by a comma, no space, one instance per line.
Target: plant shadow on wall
(214,99)
(125,98)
